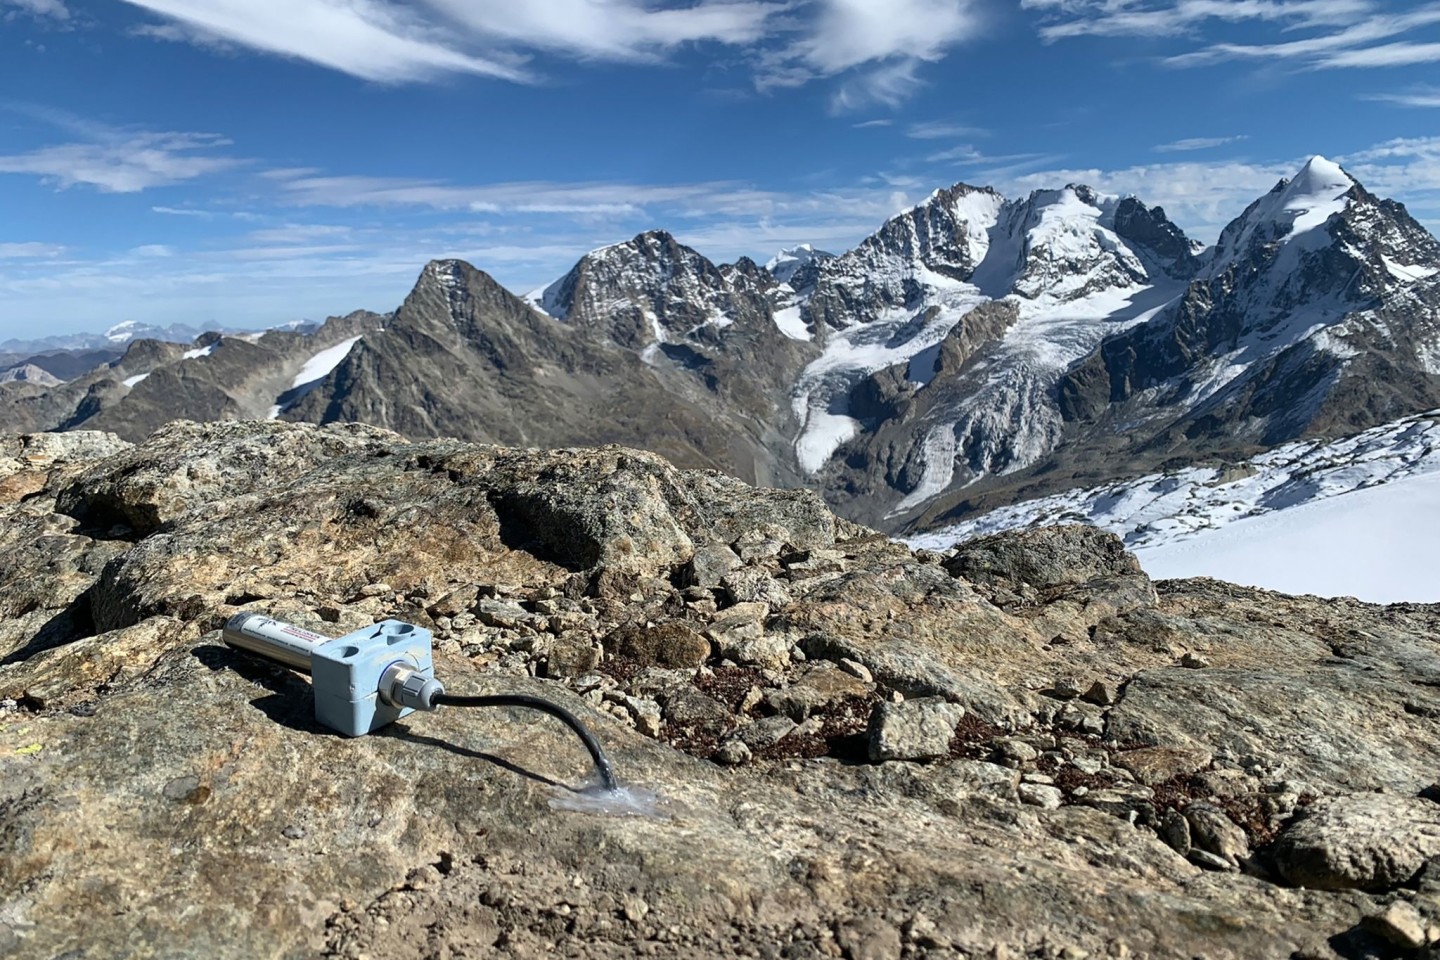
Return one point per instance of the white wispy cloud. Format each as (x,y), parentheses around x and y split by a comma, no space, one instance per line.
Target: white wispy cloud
(1196,143)
(942,130)
(183,212)
(887,85)
(29,251)
(1338,42)
(391,42)
(608,29)
(876,45)
(1061,19)
(868,124)
(54,9)
(1384,55)
(365,38)
(1415,97)
(849,33)
(307,188)
(124,163)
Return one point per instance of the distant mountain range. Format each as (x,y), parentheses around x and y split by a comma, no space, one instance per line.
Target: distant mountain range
(122,333)
(974,351)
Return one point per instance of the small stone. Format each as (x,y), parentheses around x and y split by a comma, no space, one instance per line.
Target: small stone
(1087,765)
(1213,831)
(1066,688)
(455,602)
(1400,923)
(710,563)
(85,709)
(634,907)
(1015,753)
(755,585)
(646,714)
(857,670)
(1174,829)
(293,832)
(376,589)
(688,707)
(1209,861)
(1154,765)
(733,752)
(816,689)
(869,938)
(1194,661)
(767,731)
(1037,778)
(671,644)
(1101,693)
(1040,795)
(573,657)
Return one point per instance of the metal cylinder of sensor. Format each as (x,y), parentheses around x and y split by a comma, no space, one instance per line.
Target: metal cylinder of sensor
(272,639)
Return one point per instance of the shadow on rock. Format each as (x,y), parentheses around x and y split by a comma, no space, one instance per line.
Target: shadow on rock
(71,624)
(402,731)
(290,702)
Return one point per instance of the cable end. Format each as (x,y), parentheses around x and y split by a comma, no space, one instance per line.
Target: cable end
(402,685)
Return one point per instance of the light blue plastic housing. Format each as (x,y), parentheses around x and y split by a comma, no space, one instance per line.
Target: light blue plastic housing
(346,674)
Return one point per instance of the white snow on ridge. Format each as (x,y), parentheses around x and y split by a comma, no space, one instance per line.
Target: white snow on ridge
(1337,518)
(1291,214)
(1406,273)
(791,324)
(199,352)
(785,264)
(131,381)
(319,366)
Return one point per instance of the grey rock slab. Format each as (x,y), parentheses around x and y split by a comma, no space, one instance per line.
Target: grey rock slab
(1359,842)
(1340,727)
(918,729)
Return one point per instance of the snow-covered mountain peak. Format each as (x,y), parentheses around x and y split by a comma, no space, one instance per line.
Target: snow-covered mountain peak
(647,290)
(788,262)
(124,331)
(1059,245)
(1294,210)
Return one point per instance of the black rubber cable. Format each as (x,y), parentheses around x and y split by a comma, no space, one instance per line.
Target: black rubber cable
(602,762)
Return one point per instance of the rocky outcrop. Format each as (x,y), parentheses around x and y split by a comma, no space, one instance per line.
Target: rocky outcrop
(1093,764)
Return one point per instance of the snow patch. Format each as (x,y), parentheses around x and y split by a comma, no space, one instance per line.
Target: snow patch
(199,352)
(1307,517)
(1381,545)
(319,366)
(791,324)
(131,381)
(1406,273)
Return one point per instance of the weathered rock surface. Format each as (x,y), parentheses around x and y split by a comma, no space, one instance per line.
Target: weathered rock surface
(1365,842)
(162,795)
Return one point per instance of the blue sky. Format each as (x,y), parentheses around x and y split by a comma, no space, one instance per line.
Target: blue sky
(254,161)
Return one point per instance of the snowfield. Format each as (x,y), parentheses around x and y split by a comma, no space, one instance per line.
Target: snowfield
(317,368)
(1354,517)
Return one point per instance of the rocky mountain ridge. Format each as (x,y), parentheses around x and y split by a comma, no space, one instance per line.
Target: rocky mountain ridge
(974,351)
(1020,748)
